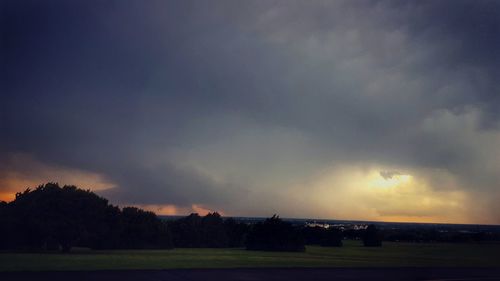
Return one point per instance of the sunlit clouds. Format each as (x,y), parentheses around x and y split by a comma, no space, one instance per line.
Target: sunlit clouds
(363,194)
(394,180)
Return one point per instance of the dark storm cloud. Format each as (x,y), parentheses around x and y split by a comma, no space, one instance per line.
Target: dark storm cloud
(471,30)
(128,91)
(103,87)
(76,85)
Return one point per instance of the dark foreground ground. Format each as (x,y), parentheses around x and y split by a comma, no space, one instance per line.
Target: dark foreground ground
(289,274)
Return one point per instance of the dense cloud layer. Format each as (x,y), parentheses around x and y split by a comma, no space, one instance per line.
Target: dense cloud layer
(250,108)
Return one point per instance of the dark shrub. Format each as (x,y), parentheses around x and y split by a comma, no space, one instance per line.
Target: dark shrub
(332,238)
(313,235)
(236,232)
(186,231)
(213,232)
(275,235)
(143,230)
(372,237)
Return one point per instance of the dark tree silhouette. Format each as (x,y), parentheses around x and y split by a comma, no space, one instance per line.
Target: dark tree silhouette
(210,231)
(275,235)
(4,226)
(186,231)
(54,217)
(372,237)
(143,230)
(313,235)
(353,234)
(236,232)
(332,238)
(213,232)
(51,215)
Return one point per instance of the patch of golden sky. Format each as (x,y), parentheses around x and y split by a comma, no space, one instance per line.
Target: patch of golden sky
(364,194)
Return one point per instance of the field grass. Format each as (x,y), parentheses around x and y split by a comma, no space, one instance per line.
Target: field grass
(351,255)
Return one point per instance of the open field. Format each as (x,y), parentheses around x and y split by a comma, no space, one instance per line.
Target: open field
(351,255)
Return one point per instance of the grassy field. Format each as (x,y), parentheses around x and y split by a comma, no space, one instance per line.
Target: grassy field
(351,255)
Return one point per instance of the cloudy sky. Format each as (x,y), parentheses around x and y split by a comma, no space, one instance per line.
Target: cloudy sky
(371,110)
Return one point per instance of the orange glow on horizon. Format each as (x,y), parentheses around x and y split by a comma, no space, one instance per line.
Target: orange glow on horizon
(7,197)
(413,219)
(166,210)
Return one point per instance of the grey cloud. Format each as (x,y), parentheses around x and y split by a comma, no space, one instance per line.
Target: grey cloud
(146,94)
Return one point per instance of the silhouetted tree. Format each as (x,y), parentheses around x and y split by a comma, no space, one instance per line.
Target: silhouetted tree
(210,231)
(186,231)
(213,232)
(143,230)
(54,217)
(353,234)
(4,225)
(236,232)
(372,237)
(332,238)
(313,235)
(275,235)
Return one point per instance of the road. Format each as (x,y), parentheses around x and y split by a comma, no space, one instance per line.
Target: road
(271,274)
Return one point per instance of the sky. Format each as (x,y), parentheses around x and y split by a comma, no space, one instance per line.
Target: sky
(365,110)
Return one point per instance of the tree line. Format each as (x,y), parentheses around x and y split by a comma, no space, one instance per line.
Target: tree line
(51,217)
